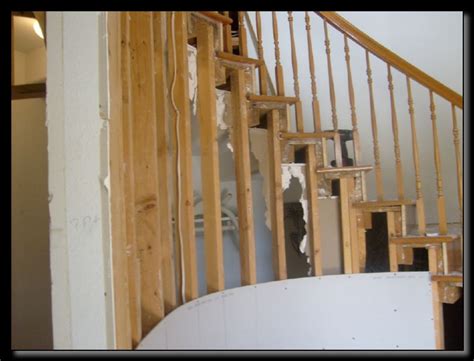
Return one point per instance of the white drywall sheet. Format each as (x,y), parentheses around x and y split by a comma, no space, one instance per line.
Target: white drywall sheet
(362,311)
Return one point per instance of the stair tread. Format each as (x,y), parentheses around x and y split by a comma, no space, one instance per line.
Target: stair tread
(385,203)
(424,240)
(355,168)
(302,136)
(237,58)
(451,278)
(272,99)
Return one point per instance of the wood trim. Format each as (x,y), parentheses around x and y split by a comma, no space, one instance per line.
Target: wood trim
(390,57)
(146,169)
(162,138)
(248,274)
(211,196)
(28,91)
(118,232)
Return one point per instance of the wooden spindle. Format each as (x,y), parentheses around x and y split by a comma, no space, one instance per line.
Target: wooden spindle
(355,130)
(378,168)
(457,150)
(227,36)
(296,85)
(332,93)
(278,68)
(420,207)
(242,35)
(443,226)
(314,91)
(262,71)
(398,161)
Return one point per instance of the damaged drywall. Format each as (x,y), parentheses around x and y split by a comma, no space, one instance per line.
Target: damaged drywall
(223,101)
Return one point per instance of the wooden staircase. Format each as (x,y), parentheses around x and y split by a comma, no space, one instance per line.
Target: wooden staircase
(223,62)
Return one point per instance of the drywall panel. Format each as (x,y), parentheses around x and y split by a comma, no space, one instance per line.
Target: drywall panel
(362,311)
(78,168)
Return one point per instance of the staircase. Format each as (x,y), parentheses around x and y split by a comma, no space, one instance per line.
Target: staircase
(273,112)
(223,42)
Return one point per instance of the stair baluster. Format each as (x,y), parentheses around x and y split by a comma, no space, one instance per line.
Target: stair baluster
(373,118)
(443,226)
(262,72)
(420,207)
(398,161)
(242,35)
(332,93)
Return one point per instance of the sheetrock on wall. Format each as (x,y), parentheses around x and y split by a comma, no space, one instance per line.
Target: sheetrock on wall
(78,166)
(361,311)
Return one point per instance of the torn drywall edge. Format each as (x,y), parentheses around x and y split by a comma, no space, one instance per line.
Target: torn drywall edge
(223,98)
(258,146)
(192,75)
(298,171)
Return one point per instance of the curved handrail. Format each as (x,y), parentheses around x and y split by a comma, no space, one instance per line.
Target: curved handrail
(390,57)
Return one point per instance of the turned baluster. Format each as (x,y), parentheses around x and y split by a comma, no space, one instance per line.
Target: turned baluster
(398,161)
(242,35)
(457,150)
(227,36)
(355,130)
(278,68)
(314,92)
(332,93)
(262,73)
(443,226)
(420,207)
(373,118)
(294,63)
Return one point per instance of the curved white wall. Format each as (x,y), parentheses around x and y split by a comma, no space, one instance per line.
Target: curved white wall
(362,311)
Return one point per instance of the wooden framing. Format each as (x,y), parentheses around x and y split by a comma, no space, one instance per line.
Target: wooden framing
(434,267)
(28,91)
(185,218)
(276,196)
(162,138)
(119,259)
(129,183)
(248,273)
(392,248)
(209,158)
(313,211)
(146,169)
(345,189)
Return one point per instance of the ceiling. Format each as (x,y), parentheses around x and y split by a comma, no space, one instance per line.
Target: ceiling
(25,38)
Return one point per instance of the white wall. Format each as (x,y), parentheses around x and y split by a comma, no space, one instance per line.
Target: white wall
(31,280)
(432,41)
(78,166)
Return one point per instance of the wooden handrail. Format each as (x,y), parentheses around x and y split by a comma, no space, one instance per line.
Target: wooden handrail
(390,57)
